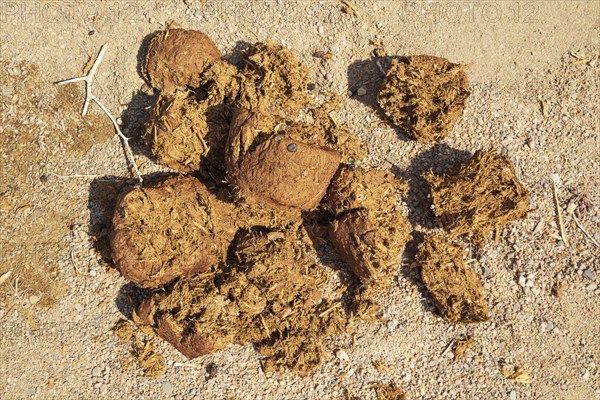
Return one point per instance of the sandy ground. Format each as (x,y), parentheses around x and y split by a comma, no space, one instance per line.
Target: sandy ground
(535,80)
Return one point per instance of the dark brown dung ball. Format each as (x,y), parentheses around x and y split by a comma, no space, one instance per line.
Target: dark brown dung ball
(478,195)
(171,229)
(274,168)
(424,95)
(371,243)
(370,231)
(185,134)
(456,289)
(176,57)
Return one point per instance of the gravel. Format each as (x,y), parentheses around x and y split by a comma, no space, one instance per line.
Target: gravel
(515,63)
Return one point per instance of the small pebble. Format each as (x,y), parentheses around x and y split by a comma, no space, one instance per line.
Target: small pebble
(522,281)
(591,287)
(512,395)
(292,147)
(166,388)
(32,391)
(33,299)
(529,283)
(536,291)
(342,355)
(586,375)
(589,274)
(97,372)
(361,91)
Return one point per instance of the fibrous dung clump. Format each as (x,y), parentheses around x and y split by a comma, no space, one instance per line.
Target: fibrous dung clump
(277,168)
(184,133)
(276,82)
(176,57)
(273,296)
(478,195)
(424,95)
(456,290)
(370,230)
(173,228)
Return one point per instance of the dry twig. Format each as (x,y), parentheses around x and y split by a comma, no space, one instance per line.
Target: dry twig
(90,97)
(563,234)
(589,236)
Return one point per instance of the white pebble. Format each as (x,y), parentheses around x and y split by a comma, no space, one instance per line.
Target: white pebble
(529,284)
(586,375)
(522,281)
(342,355)
(512,395)
(361,91)
(166,388)
(590,288)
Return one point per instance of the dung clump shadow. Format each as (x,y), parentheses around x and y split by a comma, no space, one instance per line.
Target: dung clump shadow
(129,296)
(102,200)
(367,74)
(437,159)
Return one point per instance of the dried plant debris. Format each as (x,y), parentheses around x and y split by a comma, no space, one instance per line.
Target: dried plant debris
(370,231)
(152,364)
(277,81)
(461,346)
(277,168)
(337,135)
(273,298)
(478,195)
(456,290)
(124,330)
(389,392)
(172,228)
(176,57)
(424,95)
(516,374)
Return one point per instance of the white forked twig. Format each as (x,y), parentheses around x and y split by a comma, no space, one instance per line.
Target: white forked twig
(88,80)
(89,97)
(124,138)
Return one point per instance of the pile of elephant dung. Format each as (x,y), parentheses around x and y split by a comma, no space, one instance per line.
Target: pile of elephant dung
(456,290)
(272,295)
(424,95)
(478,195)
(220,250)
